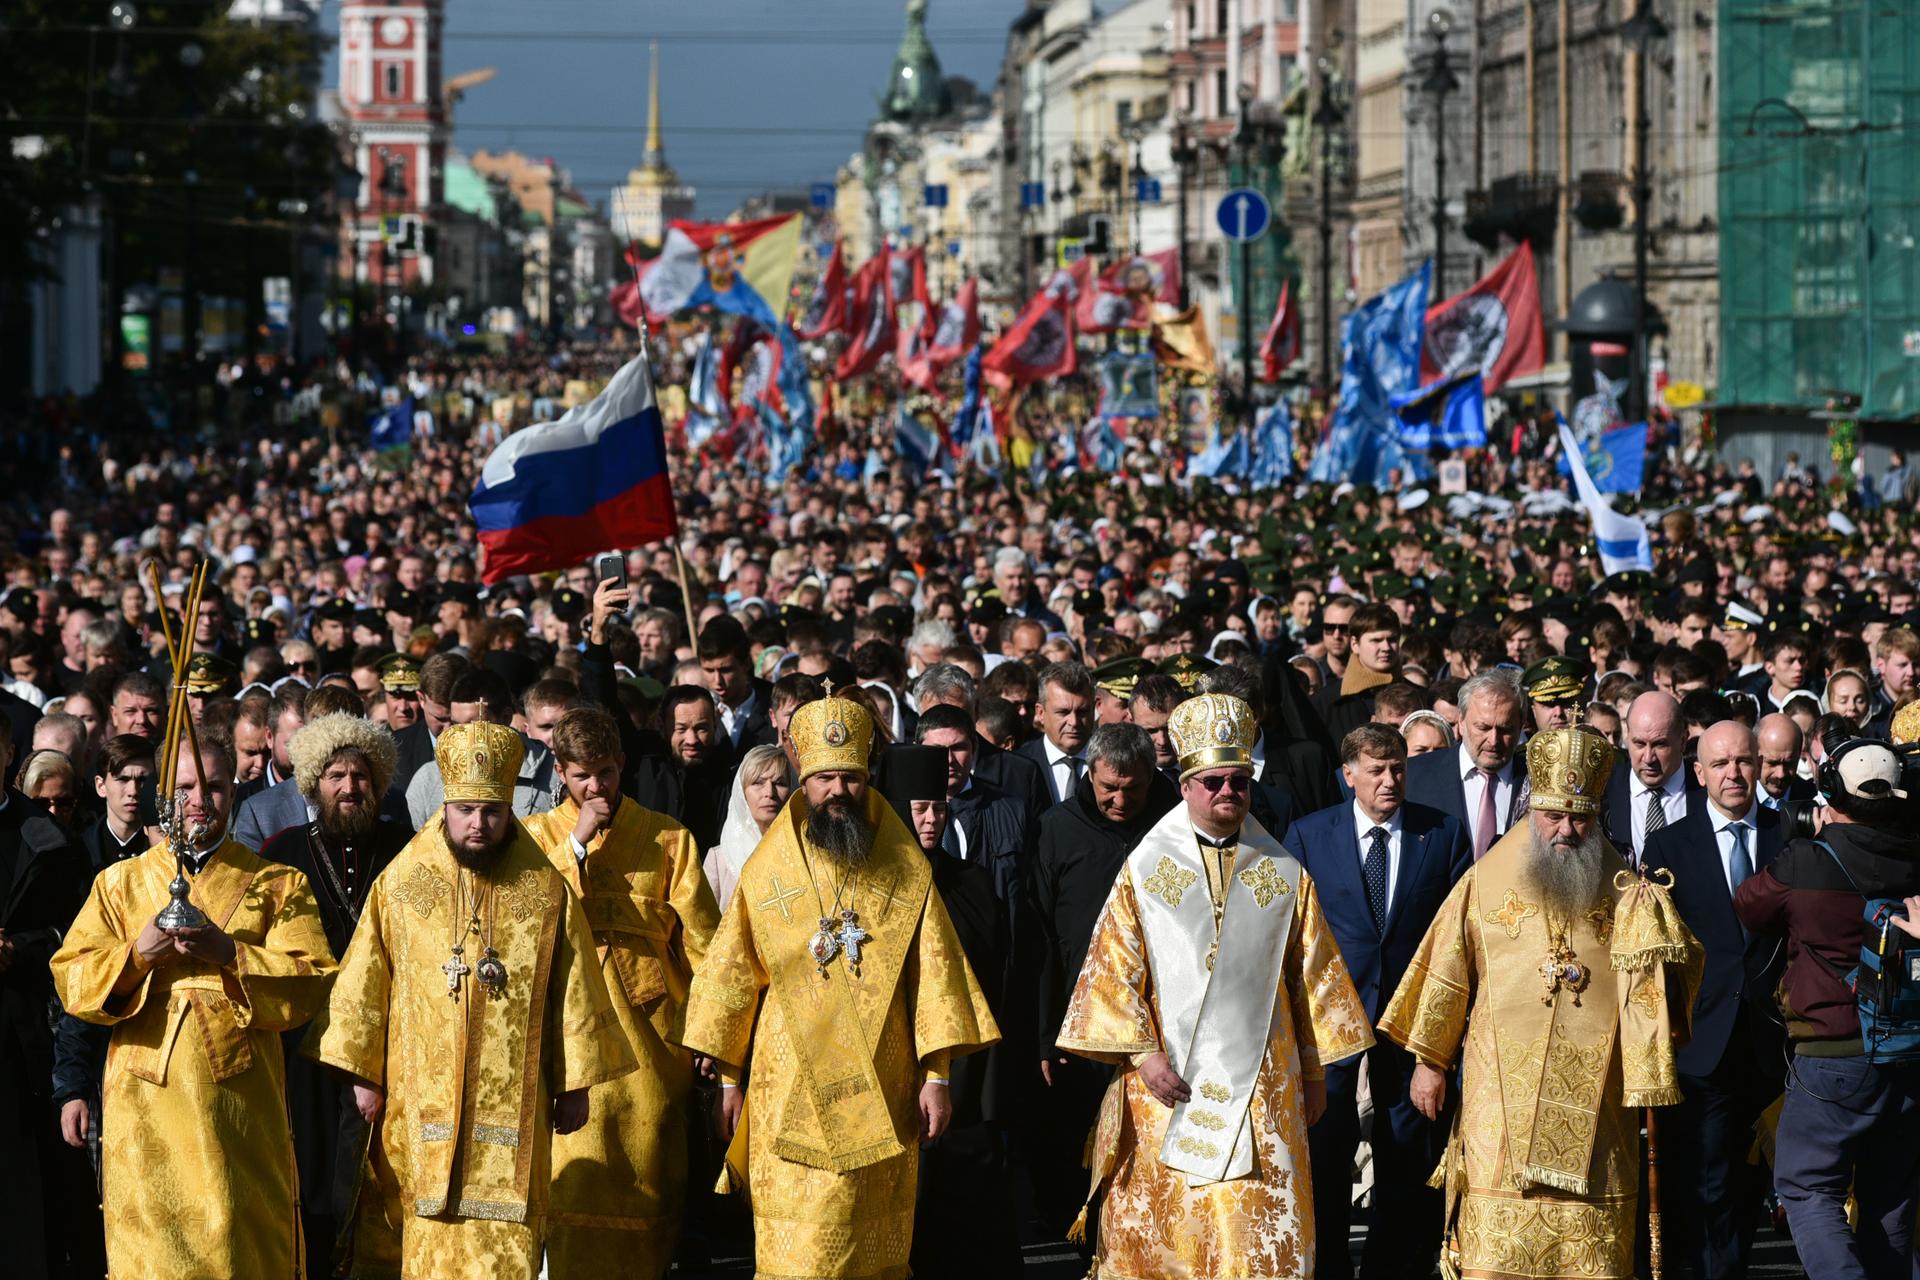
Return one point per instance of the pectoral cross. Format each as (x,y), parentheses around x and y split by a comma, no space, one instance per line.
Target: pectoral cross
(850,937)
(1559,970)
(455,968)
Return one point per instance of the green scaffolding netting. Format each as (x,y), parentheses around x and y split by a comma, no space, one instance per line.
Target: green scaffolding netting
(1820,203)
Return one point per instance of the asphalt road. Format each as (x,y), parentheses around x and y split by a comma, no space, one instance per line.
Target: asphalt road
(1773,1259)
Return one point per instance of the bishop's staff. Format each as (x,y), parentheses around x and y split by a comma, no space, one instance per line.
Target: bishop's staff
(182,837)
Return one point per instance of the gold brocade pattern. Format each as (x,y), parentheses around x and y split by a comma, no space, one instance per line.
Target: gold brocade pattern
(1513,913)
(1471,997)
(197,1154)
(473,1062)
(810,1221)
(1153,1223)
(1265,882)
(619,1182)
(1170,882)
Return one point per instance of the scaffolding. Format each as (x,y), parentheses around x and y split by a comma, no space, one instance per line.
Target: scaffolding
(1820,204)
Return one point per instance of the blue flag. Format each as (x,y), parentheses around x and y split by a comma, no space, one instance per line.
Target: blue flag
(392,427)
(917,442)
(1615,459)
(1273,447)
(967,420)
(1451,415)
(1227,456)
(704,410)
(1380,346)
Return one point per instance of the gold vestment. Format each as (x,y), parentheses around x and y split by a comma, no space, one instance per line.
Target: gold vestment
(469,1079)
(828,1146)
(196,1151)
(1155,1223)
(618,1183)
(1544,1166)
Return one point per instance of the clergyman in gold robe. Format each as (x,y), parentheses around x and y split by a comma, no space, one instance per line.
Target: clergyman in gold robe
(196,1152)
(471,1013)
(1557,982)
(1214,983)
(619,1181)
(837,988)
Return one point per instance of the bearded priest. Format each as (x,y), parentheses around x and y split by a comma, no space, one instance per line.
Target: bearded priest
(618,1183)
(196,1153)
(471,1013)
(837,992)
(1214,983)
(1557,982)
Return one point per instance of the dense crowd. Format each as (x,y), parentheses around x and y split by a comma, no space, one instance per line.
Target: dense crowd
(1394,655)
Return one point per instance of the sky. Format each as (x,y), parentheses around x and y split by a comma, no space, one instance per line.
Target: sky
(756,94)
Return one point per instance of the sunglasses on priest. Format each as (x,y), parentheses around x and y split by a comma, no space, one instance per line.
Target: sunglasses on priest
(1238,783)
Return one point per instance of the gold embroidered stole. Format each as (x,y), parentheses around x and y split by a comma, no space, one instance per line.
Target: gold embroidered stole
(1216,1021)
(1555,1055)
(474,1127)
(836,1116)
(623,892)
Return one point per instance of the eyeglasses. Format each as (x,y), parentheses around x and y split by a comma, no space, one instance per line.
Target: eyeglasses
(302,666)
(1333,628)
(1238,783)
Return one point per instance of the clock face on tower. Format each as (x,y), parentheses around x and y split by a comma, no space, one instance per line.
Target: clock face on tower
(394,30)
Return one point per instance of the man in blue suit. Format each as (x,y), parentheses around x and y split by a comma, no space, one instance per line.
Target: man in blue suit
(1382,867)
(1731,1068)
(1483,782)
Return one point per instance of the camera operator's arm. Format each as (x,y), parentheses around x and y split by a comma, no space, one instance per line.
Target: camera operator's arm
(1761,903)
(1909,923)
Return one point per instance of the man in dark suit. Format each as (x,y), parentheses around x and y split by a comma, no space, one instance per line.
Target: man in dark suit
(124,763)
(745,703)
(43,883)
(1649,789)
(1780,744)
(1082,847)
(1730,1069)
(1483,782)
(946,685)
(1065,715)
(1382,867)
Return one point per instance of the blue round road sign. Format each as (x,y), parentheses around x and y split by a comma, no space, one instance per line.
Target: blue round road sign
(1243,214)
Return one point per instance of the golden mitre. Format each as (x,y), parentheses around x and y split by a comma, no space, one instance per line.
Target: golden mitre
(479,762)
(1210,731)
(831,735)
(1905,727)
(1569,769)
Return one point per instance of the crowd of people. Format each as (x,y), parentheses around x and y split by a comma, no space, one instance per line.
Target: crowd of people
(1188,870)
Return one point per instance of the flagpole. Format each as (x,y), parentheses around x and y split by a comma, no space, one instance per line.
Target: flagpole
(646,356)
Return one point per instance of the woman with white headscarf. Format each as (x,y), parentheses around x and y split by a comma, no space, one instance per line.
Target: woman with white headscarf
(760,790)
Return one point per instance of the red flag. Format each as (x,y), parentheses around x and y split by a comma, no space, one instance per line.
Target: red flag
(958,327)
(1281,346)
(871,318)
(626,302)
(827,310)
(1126,291)
(1493,328)
(1040,343)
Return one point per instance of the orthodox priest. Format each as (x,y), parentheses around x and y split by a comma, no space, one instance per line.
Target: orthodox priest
(619,1182)
(341,764)
(197,1160)
(1214,983)
(471,1013)
(837,990)
(1557,982)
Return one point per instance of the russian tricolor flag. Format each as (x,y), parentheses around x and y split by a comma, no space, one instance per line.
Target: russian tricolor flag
(557,493)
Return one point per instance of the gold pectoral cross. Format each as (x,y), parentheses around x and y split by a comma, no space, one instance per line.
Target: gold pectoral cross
(455,968)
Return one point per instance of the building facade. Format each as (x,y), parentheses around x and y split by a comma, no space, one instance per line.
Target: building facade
(391,96)
(653,196)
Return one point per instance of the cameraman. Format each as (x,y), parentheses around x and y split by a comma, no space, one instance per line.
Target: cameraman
(1848,1121)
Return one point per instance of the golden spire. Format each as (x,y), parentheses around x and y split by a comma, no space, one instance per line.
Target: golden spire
(655,157)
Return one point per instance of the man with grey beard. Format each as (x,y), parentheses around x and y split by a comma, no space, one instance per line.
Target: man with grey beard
(836,970)
(1559,987)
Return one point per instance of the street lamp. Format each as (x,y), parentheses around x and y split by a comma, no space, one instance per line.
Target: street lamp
(1137,179)
(1184,152)
(1438,82)
(1642,31)
(1244,137)
(1327,118)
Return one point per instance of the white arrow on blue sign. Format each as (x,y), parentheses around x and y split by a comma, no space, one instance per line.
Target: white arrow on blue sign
(1243,214)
